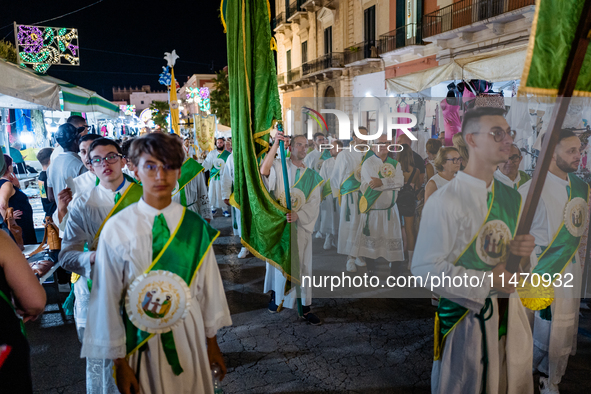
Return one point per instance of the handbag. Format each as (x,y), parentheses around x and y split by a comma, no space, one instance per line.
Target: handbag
(15,229)
(407,197)
(51,237)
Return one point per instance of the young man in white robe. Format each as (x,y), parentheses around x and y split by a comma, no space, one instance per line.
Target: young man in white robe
(329,207)
(379,233)
(509,172)
(215,163)
(460,236)
(345,182)
(305,185)
(314,160)
(132,245)
(227,183)
(559,222)
(87,215)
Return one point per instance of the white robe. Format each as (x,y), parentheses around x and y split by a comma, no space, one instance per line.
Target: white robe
(215,185)
(86,214)
(307,215)
(82,184)
(312,160)
(329,207)
(451,217)
(197,197)
(124,253)
(385,235)
(555,340)
(506,180)
(345,163)
(227,182)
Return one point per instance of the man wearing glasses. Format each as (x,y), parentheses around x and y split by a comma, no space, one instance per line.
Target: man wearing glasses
(87,215)
(509,172)
(467,230)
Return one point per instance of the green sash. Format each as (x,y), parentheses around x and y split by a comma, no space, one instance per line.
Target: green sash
(370,196)
(215,172)
(523,177)
(308,181)
(189,170)
(326,190)
(351,184)
(325,154)
(504,204)
(556,256)
(183,254)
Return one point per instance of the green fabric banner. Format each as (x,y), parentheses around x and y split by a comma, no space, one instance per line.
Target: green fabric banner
(550,42)
(254,105)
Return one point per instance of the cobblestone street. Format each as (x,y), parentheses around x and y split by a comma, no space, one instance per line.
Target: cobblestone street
(364,346)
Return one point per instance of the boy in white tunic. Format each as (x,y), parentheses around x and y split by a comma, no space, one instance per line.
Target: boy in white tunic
(559,223)
(378,232)
(167,343)
(329,211)
(227,189)
(465,229)
(314,160)
(305,185)
(509,172)
(87,215)
(215,163)
(345,182)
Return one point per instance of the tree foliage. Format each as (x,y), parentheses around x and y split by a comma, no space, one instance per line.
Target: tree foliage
(7,51)
(160,111)
(220,97)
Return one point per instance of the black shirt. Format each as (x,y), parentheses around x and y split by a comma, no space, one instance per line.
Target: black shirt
(48,206)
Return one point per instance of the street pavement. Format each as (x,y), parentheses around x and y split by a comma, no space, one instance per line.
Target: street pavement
(375,345)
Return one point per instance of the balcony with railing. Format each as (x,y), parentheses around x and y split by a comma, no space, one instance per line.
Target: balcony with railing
(330,61)
(295,11)
(466,12)
(404,36)
(293,75)
(280,21)
(362,51)
(281,78)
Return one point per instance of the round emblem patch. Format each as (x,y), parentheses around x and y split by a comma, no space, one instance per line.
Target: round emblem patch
(319,165)
(298,199)
(157,301)
(575,215)
(387,170)
(358,173)
(219,164)
(492,243)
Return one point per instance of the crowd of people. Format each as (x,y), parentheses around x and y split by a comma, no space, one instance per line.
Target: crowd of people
(134,218)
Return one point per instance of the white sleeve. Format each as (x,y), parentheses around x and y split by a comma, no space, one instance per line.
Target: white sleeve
(228,178)
(72,256)
(211,296)
(202,203)
(270,181)
(104,336)
(208,162)
(436,239)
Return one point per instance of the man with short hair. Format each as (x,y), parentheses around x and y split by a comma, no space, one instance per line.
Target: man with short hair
(80,123)
(87,216)
(215,163)
(509,172)
(67,165)
(558,225)
(88,180)
(43,156)
(466,231)
(162,252)
(329,207)
(345,182)
(304,184)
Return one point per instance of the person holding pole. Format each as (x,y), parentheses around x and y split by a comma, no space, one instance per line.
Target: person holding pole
(559,222)
(467,231)
(304,187)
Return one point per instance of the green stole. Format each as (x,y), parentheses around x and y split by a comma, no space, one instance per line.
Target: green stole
(182,254)
(351,184)
(189,170)
(326,189)
(523,177)
(504,203)
(556,256)
(308,182)
(215,172)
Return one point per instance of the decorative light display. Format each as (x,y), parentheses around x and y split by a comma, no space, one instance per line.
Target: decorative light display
(199,96)
(43,46)
(165,77)
(128,110)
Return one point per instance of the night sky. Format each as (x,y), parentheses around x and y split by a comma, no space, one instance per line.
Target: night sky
(112,30)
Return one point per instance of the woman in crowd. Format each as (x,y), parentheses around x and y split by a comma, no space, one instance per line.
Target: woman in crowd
(462,148)
(11,196)
(447,163)
(407,201)
(432,147)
